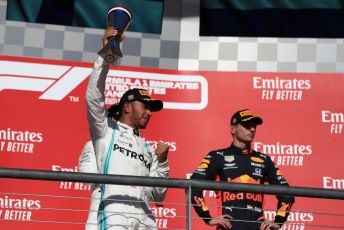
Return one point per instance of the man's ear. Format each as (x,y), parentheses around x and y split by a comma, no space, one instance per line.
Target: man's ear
(232,129)
(126,108)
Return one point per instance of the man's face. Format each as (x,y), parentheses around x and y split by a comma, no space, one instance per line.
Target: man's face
(244,132)
(140,114)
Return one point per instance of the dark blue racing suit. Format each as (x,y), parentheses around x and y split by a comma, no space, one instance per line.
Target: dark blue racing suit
(242,166)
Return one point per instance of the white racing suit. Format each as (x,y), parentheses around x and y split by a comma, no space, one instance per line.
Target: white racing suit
(88,164)
(122,152)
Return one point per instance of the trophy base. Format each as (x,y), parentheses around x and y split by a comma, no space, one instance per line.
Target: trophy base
(111,58)
(110,55)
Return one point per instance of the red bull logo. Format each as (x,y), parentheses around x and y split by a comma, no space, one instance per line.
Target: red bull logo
(204,164)
(200,202)
(246,179)
(227,196)
(283,210)
(206,161)
(257,159)
(279,173)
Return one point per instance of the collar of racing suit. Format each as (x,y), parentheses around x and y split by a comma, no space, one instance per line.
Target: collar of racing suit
(127,127)
(237,150)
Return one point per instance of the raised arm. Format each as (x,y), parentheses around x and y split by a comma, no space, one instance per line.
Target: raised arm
(95,99)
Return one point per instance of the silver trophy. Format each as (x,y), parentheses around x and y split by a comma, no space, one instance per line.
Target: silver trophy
(119,17)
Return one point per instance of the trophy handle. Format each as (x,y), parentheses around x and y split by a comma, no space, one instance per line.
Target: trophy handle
(119,17)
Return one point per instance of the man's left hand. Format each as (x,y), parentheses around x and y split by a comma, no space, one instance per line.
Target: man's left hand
(162,151)
(268,225)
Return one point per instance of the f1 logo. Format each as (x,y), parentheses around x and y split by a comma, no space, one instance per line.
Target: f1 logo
(55,81)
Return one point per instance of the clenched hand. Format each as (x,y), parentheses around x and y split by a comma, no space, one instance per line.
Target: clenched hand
(109,33)
(162,151)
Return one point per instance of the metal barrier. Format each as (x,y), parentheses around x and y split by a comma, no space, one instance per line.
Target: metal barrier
(171,183)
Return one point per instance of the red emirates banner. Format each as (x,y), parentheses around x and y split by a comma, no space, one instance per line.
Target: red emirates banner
(43,126)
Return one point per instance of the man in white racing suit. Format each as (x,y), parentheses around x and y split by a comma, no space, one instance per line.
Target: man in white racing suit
(120,150)
(88,164)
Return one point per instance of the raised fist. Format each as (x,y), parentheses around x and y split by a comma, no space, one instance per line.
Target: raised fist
(162,151)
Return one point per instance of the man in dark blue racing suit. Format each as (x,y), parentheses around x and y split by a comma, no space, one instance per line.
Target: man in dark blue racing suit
(239,163)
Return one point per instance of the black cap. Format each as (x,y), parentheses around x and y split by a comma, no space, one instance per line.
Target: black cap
(141,95)
(245,115)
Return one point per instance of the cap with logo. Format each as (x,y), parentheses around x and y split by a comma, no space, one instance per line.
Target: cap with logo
(244,116)
(141,95)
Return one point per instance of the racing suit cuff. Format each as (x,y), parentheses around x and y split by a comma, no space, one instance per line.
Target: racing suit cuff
(100,62)
(163,164)
(164,168)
